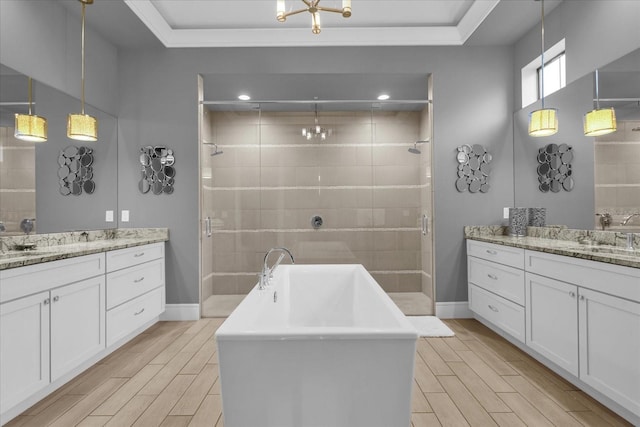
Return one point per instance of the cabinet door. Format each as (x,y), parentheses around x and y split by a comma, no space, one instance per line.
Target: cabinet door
(24,348)
(610,346)
(552,320)
(77,324)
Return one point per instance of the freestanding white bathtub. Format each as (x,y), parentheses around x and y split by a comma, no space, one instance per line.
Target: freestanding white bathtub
(322,346)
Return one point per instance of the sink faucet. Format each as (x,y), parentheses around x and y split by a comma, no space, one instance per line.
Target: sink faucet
(626,220)
(2,227)
(605,219)
(26,225)
(267,273)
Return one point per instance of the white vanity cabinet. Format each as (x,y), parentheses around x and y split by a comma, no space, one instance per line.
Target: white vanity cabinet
(58,318)
(581,317)
(135,289)
(48,326)
(24,348)
(610,346)
(552,320)
(496,285)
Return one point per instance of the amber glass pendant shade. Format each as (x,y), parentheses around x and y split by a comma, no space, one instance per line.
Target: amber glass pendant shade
(32,128)
(82,127)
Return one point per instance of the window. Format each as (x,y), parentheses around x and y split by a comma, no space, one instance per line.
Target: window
(554,74)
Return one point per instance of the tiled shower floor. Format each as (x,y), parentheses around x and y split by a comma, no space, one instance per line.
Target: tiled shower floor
(411,304)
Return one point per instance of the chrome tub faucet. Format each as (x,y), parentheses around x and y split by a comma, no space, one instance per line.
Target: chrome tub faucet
(626,220)
(267,273)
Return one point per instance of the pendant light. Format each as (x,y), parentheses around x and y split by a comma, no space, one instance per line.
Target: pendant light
(543,122)
(599,121)
(82,127)
(29,127)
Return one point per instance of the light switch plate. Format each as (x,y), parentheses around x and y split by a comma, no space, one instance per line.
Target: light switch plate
(108,216)
(505,213)
(125,216)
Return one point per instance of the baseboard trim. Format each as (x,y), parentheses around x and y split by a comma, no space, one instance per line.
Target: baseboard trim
(453,310)
(178,312)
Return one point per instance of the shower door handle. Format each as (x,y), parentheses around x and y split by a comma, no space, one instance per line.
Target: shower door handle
(425,224)
(207,226)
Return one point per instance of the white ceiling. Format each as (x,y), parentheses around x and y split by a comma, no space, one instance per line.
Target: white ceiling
(208,23)
(221,23)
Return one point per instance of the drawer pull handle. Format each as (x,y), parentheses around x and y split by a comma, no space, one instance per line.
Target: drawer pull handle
(581,297)
(572,294)
(46,301)
(56,298)
(138,255)
(138,280)
(492,308)
(491,276)
(491,252)
(138,313)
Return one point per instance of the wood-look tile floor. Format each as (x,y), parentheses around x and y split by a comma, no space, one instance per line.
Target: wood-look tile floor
(168,376)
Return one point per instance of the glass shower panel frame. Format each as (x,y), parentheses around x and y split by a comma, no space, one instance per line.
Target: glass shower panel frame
(230,199)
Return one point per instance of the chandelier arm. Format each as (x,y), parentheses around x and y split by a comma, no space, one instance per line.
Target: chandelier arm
(293,12)
(308,3)
(329,9)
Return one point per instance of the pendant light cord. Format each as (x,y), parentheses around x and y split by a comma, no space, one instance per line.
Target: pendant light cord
(542,56)
(30,95)
(597,91)
(82,72)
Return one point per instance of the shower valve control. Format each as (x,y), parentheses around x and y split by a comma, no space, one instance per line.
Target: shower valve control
(316,221)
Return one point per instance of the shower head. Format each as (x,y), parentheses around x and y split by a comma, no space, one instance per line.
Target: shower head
(216,151)
(414,149)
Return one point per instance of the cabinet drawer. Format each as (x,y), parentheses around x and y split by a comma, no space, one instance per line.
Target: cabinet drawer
(502,313)
(127,257)
(126,318)
(124,285)
(506,255)
(23,281)
(612,279)
(507,282)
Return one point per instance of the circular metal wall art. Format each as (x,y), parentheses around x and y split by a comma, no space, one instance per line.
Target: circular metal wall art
(157,171)
(473,168)
(75,171)
(554,168)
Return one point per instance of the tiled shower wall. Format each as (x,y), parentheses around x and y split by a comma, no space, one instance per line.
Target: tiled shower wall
(617,174)
(17,180)
(269,181)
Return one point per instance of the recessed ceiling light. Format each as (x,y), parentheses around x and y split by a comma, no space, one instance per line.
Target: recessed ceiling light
(383,97)
(244,97)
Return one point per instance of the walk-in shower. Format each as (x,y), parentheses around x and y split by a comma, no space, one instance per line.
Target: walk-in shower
(372,197)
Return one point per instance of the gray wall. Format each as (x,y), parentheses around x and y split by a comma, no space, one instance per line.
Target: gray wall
(42,40)
(55,212)
(595,33)
(576,207)
(472,104)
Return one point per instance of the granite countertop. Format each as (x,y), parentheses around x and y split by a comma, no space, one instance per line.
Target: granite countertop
(607,247)
(57,246)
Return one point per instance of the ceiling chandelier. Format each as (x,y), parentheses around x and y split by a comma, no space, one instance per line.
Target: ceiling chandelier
(316,131)
(314,8)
